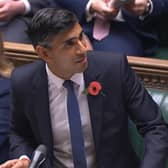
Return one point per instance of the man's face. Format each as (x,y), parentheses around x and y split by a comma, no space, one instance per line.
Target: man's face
(67,54)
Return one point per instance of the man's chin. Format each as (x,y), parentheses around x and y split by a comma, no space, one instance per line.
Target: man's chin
(83,67)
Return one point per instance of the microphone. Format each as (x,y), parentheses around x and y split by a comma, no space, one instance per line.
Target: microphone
(39,156)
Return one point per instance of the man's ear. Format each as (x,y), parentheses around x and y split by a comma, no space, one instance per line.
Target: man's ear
(42,52)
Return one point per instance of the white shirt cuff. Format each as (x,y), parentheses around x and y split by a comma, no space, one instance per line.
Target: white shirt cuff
(149,12)
(24,157)
(151,9)
(89,16)
(119,17)
(27,6)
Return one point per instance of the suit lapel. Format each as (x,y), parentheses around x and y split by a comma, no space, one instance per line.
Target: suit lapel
(41,107)
(95,107)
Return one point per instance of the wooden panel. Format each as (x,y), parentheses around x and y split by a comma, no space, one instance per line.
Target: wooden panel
(153,72)
(20,53)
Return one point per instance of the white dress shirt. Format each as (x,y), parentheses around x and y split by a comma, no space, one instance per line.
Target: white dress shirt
(59,120)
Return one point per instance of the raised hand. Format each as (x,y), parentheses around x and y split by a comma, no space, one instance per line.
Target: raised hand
(16,163)
(10,8)
(137,7)
(104,8)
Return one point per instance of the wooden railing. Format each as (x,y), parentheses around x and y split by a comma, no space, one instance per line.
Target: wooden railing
(20,53)
(153,72)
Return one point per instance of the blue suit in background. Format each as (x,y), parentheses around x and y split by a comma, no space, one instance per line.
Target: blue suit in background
(132,37)
(4,118)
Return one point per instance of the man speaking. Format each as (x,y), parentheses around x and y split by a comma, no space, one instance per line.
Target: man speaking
(77,103)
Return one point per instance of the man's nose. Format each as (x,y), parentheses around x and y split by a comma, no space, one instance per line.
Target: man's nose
(81,47)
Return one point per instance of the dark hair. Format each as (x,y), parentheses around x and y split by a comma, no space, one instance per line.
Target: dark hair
(47,23)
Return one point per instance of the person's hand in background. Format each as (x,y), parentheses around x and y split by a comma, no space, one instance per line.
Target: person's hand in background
(11,8)
(16,163)
(104,9)
(137,7)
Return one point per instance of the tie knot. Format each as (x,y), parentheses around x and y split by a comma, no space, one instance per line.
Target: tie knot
(68,84)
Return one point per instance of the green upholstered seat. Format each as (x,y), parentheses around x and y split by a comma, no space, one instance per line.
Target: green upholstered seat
(161,98)
(162,53)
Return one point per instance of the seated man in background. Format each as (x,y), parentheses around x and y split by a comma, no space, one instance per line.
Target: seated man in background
(77,103)
(133,26)
(14,17)
(5,115)
(12,23)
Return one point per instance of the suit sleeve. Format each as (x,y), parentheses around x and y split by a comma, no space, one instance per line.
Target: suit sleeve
(21,136)
(147,117)
(4,115)
(39,4)
(76,6)
(160,8)
(4,119)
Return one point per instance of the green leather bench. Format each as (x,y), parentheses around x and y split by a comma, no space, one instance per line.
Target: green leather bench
(161,98)
(162,52)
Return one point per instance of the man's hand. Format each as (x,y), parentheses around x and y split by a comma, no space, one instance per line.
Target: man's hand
(103,8)
(137,7)
(16,163)
(10,8)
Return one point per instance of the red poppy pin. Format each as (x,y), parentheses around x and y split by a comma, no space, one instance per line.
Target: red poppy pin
(93,89)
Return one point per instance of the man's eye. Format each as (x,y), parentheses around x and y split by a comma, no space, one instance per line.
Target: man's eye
(70,43)
(81,36)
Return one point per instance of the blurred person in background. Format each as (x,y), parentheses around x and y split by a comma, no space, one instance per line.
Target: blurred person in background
(13,17)
(5,73)
(134,27)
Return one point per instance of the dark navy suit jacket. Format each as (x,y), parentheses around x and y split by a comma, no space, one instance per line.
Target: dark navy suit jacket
(132,37)
(4,118)
(123,96)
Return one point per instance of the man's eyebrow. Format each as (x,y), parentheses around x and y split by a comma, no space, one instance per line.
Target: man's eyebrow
(71,39)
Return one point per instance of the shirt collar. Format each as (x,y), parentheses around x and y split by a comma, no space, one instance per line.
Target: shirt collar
(77,78)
